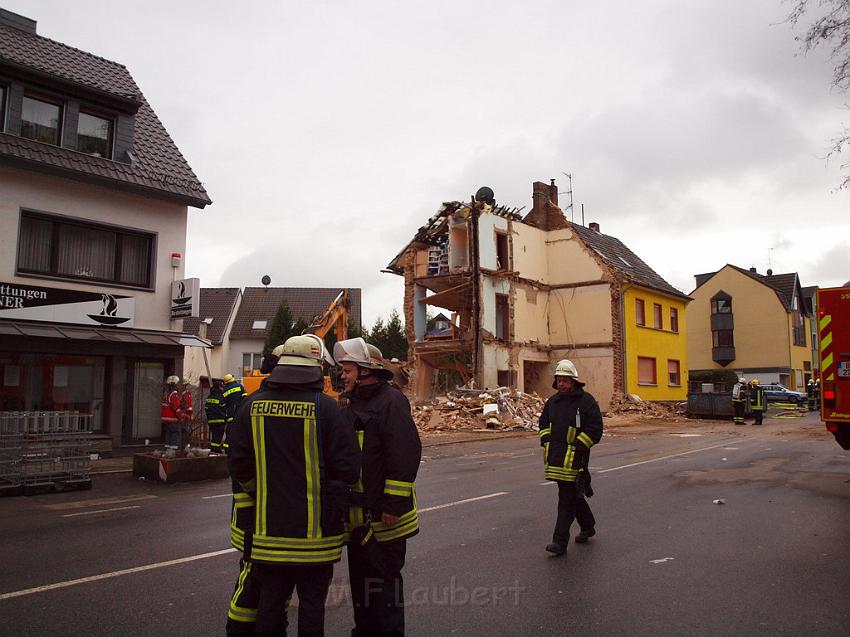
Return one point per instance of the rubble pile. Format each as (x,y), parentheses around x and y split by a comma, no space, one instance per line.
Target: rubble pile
(503,408)
(632,404)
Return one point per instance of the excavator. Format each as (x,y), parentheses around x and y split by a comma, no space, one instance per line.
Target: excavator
(334,318)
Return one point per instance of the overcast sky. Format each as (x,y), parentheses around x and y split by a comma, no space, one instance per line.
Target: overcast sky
(327,132)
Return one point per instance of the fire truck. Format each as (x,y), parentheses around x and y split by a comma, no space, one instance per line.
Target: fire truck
(834,335)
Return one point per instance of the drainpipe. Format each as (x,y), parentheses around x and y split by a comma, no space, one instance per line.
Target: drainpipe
(624,358)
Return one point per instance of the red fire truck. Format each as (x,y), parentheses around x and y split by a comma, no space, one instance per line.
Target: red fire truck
(834,335)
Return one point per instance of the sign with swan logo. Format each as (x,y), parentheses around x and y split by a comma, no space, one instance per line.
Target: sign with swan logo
(33,303)
(185,298)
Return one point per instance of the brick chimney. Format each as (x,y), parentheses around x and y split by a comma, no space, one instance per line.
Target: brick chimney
(545,213)
(9,19)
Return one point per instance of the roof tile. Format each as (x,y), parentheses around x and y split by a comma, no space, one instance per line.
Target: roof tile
(217,304)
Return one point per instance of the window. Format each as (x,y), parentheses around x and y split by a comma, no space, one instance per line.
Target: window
(250,362)
(656,316)
(502,260)
(208,320)
(721,305)
(640,312)
(674,320)
(75,249)
(723,338)
(94,135)
(646,371)
(503,327)
(674,378)
(3,92)
(41,119)
(259,325)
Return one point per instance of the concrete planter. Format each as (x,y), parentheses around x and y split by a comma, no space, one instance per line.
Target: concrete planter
(153,467)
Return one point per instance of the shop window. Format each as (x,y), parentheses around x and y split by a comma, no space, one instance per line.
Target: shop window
(674,320)
(41,119)
(640,312)
(251,361)
(674,377)
(657,319)
(72,249)
(646,371)
(503,327)
(94,135)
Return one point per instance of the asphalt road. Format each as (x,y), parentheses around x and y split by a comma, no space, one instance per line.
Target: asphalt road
(135,558)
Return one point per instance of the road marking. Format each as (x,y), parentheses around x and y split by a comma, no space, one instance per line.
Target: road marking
(81,504)
(673,455)
(210,497)
(452,504)
(661,561)
(102,576)
(73,515)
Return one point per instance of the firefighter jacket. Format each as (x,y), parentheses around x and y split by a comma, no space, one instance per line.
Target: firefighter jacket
(380,415)
(757,399)
(215,408)
(570,425)
(291,454)
(233,394)
(170,410)
(739,392)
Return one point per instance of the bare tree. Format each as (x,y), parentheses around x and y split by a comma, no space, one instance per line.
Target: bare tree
(830,29)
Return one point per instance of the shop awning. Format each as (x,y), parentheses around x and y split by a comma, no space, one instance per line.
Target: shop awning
(115,335)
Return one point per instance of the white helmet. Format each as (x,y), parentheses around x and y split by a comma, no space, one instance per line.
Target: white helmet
(172,380)
(566,368)
(358,351)
(306,350)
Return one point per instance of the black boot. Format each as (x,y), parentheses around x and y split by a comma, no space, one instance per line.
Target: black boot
(557,549)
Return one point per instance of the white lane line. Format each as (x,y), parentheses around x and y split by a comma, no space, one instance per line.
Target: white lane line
(102,576)
(452,504)
(210,497)
(659,459)
(81,504)
(73,515)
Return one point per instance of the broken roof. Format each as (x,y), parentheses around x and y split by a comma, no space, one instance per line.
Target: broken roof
(261,304)
(624,262)
(157,166)
(216,304)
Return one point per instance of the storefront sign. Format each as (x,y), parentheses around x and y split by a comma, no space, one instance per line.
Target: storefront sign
(185,298)
(32,303)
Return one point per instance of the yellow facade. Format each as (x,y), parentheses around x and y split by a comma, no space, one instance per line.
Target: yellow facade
(659,348)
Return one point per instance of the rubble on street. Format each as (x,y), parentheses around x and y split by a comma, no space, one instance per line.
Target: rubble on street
(503,409)
(632,404)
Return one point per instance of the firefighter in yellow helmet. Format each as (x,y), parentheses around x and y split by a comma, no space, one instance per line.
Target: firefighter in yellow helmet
(570,425)
(293,459)
(383,513)
(757,402)
(232,394)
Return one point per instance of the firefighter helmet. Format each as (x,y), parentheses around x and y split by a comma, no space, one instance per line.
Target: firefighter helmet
(228,378)
(566,368)
(277,351)
(754,381)
(306,350)
(359,352)
(172,380)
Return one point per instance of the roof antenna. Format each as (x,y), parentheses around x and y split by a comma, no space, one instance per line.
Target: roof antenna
(570,193)
(265,281)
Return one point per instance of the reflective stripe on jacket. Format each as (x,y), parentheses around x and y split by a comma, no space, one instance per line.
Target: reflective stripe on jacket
(569,426)
(233,394)
(170,410)
(215,408)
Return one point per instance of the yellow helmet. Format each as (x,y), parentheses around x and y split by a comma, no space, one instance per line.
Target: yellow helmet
(754,381)
(228,378)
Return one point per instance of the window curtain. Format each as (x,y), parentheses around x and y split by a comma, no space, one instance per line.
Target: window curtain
(86,252)
(34,248)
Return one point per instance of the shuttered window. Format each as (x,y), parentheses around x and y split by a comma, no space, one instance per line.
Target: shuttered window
(646,371)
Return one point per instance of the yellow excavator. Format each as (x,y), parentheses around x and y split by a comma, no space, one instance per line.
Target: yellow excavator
(334,318)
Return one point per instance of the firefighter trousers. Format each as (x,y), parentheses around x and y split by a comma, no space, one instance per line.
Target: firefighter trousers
(377,590)
(275,585)
(738,406)
(571,506)
(758,416)
(216,435)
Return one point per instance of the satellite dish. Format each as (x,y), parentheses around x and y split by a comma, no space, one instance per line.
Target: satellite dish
(266,280)
(486,194)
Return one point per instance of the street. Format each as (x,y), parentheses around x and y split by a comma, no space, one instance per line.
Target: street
(770,558)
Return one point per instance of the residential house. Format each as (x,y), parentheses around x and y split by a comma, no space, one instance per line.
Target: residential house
(257,311)
(810,300)
(94,199)
(218,307)
(754,324)
(527,291)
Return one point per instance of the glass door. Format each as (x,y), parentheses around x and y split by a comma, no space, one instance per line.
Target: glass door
(146,386)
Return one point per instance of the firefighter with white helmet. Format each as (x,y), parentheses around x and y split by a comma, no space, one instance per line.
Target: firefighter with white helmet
(290,446)
(383,513)
(570,425)
(739,401)
(171,414)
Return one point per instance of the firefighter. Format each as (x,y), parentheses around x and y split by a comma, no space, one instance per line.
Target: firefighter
(383,513)
(757,402)
(216,413)
(290,446)
(171,414)
(739,400)
(810,394)
(233,394)
(570,425)
(186,404)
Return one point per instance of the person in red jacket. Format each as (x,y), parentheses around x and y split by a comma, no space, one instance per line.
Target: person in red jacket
(188,412)
(171,413)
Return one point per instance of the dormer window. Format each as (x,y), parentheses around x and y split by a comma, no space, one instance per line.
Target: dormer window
(94,135)
(41,119)
(2,108)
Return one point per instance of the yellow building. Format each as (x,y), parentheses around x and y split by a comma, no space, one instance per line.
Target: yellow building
(756,325)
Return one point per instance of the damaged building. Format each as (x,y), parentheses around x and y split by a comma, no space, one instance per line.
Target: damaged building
(526,291)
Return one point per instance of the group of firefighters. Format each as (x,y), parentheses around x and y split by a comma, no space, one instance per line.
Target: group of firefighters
(758,403)
(311,477)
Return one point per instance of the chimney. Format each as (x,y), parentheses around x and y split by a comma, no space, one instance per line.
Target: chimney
(545,213)
(593,226)
(9,19)
(752,269)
